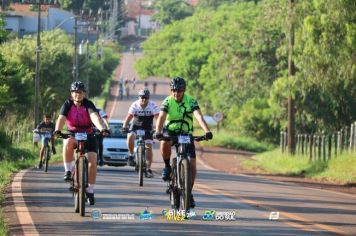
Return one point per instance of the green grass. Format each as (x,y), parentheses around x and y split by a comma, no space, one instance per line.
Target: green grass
(232,140)
(340,170)
(14,159)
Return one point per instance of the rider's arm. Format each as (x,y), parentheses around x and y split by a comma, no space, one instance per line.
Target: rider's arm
(160,121)
(127,120)
(97,121)
(201,121)
(60,122)
(106,122)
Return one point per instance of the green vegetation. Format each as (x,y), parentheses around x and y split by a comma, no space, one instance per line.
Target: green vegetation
(235,61)
(17,74)
(228,139)
(15,157)
(341,170)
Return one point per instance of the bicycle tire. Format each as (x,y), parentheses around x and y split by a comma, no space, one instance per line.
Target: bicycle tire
(82,184)
(140,159)
(75,185)
(174,193)
(46,156)
(186,184)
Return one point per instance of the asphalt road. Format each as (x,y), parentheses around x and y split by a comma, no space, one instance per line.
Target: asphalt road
(39,203)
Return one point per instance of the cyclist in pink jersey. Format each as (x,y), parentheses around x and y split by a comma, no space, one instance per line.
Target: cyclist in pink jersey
(79,114)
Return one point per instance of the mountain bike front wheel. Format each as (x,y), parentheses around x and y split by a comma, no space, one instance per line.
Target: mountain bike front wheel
(82,184)
(140,160)
(186,184)
(46,158)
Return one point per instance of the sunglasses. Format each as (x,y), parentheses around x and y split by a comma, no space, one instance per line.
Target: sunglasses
(177,90)
(144,97)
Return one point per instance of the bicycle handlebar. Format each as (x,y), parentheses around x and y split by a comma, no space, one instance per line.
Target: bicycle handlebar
(175,137)
(68,135)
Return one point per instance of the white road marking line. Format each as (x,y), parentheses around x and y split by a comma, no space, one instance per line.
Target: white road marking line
(23,215)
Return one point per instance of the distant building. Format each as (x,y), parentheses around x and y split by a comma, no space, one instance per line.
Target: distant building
(21,20)
(139,18)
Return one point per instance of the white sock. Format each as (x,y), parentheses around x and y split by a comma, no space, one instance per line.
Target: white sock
(68,166)
(90,188)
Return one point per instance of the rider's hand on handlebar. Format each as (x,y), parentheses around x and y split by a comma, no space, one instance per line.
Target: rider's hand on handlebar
(209,135)
(158,135)
(105,132)
(57,133)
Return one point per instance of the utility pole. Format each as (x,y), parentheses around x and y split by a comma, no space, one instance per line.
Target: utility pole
(291,73)
(37,78)
(75,56)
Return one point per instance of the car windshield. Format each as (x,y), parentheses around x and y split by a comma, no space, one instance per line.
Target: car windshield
(115,130)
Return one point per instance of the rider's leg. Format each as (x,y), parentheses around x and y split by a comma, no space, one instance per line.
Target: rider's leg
(131,142)
(68,157)
(92,157)
(130,145)
(149,155)
(166,154)
(53,146)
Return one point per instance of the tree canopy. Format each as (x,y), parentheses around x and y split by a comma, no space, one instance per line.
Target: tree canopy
(234,57)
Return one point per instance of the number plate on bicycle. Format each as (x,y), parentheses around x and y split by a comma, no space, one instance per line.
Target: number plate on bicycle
(183,139)
(81,136)
(140,132)
(47,135)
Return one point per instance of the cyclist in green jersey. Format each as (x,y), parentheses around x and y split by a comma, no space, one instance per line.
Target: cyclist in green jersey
(176,117)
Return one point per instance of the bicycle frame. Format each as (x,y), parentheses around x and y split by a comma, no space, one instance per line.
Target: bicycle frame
(79,181)
(179,194)
(46,152)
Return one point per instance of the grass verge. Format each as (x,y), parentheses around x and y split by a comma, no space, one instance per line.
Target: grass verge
(14,159)
(339,170)
(231,140)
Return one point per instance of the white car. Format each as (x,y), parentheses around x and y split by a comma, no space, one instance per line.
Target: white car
(115,151)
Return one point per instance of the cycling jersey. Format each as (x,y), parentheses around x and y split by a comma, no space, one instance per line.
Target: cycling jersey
(179,118)
(43,127)
(78,119)
(143,117)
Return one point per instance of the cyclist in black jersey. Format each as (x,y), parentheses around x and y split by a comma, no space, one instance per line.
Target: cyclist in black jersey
(46,126)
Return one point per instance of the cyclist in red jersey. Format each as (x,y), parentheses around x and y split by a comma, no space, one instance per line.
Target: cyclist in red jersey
(79,114)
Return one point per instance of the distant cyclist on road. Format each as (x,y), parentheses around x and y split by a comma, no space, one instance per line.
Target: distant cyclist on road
(175,109)
(80,114)
(142,111)
(45,126)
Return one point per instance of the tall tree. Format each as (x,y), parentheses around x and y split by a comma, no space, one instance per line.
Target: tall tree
(169,11)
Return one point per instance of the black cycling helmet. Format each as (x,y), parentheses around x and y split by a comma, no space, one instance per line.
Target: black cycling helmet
(178,83)
(77,86)
(144,93)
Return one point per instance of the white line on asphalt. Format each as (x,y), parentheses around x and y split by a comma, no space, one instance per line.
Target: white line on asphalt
(23,214)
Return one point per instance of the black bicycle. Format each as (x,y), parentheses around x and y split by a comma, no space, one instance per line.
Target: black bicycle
(79,181)
(47,136)
(179,186)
